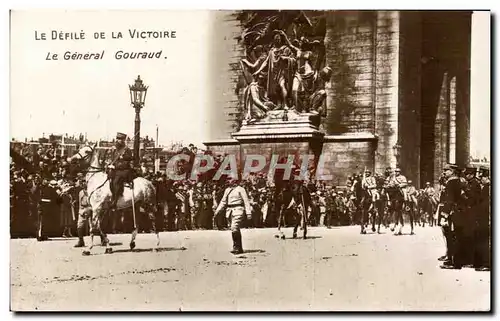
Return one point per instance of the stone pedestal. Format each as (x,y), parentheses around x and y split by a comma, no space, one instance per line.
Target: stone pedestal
(272,136)
(342,154)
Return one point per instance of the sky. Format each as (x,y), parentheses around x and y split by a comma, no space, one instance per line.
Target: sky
(480,85)
(92,97)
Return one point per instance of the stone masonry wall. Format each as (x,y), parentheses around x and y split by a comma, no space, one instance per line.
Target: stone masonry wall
(349,52)
(225,74)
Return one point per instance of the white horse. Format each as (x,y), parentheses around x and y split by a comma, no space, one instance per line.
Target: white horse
(143,193)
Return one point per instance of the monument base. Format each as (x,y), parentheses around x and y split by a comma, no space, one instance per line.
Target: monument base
(342,155)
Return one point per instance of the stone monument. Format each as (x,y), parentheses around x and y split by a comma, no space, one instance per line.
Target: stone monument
(284,91)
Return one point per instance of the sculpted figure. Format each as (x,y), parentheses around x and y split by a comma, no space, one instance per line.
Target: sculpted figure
(256,103)
(308,84)
(280,65)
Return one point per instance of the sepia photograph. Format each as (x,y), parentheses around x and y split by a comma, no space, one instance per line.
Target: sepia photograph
(250,160)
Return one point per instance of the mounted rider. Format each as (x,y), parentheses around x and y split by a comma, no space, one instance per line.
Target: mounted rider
(399,181)
(119,170)
(369,184)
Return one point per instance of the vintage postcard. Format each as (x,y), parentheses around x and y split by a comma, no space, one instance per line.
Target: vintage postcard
(249,160)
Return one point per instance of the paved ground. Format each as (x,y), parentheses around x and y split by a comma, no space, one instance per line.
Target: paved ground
(336,269)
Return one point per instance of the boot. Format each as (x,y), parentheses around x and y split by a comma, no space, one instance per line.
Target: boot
(234,235)
(81,242)
(237,245)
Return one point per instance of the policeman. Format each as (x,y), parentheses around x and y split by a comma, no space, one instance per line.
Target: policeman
(452,222)
(120,170)
(235,201)
(471,195)
(482,235)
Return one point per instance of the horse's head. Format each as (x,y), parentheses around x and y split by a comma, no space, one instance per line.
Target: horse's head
(84,154)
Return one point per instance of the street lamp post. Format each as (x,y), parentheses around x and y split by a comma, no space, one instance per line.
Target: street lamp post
(137,98)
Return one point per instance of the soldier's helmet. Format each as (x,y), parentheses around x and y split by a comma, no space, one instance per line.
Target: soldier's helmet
(427,184)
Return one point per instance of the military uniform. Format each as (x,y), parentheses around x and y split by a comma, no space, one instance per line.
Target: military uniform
(399,180)
(452,213)
(120,169)
(482,234)
(84,214)
(471,195)
(369,183)
(235,201)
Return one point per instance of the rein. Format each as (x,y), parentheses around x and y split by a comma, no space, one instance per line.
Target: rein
(92,170)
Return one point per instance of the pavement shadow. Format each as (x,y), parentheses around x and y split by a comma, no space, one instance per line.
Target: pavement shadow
(253,251)
(160,249)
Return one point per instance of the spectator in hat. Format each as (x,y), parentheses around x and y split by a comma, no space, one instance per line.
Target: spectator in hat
(482,250)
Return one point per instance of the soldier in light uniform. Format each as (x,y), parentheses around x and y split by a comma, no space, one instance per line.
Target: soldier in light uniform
(431,194)
(236,203)
(84,215)
(369,184)
(399,180)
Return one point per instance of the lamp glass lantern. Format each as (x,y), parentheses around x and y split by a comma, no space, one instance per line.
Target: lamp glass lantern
(138,93)
(397,151)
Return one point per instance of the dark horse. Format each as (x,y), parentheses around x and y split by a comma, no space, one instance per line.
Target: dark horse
(372,210)
(427,207)
(292,196)
(399,206)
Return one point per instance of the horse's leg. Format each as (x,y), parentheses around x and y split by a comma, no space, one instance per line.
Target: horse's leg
(150,208)
(393,216)
(364,213)
(412,214)
(296,227)
(304,224)
(401,210)
(378,214)
(374,215)
(396,214)
(135,230)
(281,210)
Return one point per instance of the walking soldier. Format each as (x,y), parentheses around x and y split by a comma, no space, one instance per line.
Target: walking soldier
(235,201)
(84,214)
